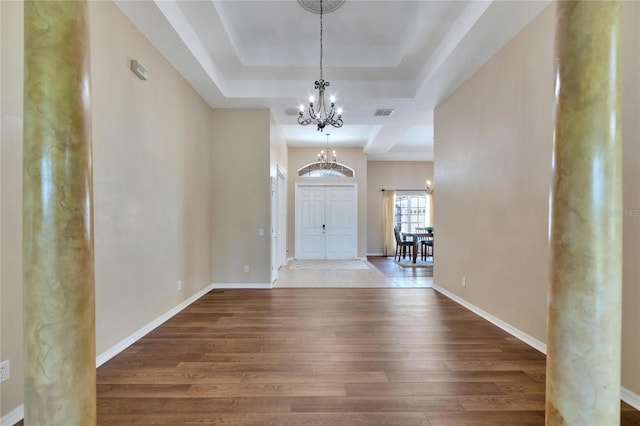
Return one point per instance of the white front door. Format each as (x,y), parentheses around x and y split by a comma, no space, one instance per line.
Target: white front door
(310,222)
(326,222)
(340,221)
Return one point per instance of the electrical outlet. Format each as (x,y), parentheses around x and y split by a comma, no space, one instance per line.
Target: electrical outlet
(246,268)
(179,285)
(5,372)
(463,281)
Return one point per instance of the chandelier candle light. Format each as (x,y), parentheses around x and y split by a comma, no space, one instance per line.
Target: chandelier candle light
(326,158)
(318,114)
(429,188)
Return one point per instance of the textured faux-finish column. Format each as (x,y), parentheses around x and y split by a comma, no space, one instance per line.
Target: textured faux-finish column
(583,348)
(59,307)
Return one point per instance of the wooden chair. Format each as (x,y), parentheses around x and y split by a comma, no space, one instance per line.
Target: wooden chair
(401,246)
(426,244)
(427,247)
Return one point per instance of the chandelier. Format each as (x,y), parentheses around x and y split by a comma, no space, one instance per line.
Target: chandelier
(326,158)
(317,113)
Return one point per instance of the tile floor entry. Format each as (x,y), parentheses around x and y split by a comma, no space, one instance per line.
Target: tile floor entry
(334,275)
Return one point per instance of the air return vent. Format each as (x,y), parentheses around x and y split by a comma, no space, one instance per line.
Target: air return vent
(383,112)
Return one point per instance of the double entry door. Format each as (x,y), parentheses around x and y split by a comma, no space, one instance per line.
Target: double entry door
(326,222)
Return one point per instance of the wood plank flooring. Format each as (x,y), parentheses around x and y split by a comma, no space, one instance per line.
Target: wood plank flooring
(326,357)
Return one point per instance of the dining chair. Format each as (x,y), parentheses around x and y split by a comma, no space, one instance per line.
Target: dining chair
(427,249)
(401,246)
(426,243)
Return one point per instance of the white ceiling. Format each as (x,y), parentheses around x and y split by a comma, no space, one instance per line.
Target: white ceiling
(404,55)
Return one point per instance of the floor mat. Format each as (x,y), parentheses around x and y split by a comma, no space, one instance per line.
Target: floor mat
(328,264)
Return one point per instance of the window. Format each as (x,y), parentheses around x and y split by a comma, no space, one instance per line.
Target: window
(411,212)
(313,170)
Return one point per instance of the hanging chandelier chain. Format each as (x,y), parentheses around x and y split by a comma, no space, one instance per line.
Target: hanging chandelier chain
(321,50)
(318,113)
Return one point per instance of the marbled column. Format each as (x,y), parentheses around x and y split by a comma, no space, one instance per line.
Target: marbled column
(583,360)
(59,307)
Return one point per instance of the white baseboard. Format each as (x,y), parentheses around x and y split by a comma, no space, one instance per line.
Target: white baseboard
(13,417)
(125,343)
(242,286)
(375,254)
(534,343)
(633,399)
(625,394)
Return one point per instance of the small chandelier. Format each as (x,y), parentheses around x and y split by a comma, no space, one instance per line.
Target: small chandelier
(326,158)
(318,114)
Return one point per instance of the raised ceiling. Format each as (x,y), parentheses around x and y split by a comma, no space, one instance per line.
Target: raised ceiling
(407,56)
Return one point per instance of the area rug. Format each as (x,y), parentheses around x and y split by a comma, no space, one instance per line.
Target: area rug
(328,264)
(408,263)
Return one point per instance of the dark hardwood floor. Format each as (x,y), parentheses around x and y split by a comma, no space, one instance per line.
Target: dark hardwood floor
(326,357)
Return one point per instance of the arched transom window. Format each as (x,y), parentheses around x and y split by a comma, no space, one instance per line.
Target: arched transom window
(314,170)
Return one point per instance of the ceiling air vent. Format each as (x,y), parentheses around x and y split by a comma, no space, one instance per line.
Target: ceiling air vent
(292,111)
(383,112)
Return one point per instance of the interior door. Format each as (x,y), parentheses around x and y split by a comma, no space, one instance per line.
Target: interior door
(326,222)
(275,224)
(282,218)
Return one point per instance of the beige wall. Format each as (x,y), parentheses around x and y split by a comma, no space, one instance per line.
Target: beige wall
(151,182)
(1,115)
(631,196)
(11,193)
(278,149)
(492,161)
(352,157)
(241,204)
(493,143)
(390,175)
(151,144)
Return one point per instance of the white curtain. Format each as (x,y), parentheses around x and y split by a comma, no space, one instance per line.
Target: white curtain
(388,210)
(430,205)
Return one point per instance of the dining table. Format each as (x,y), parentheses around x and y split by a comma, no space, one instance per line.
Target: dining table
(417,237)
